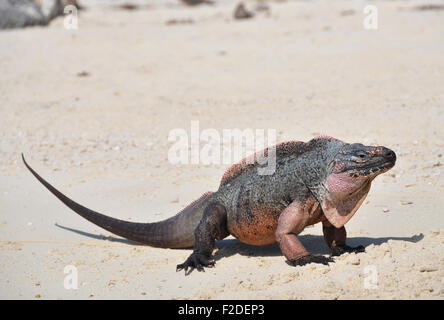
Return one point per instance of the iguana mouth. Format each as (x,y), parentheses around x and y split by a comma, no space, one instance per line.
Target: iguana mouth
(371,170)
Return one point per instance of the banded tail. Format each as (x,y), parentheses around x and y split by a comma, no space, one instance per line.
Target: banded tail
(175,232)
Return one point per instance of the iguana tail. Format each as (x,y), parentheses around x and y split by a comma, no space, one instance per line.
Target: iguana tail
(175,232)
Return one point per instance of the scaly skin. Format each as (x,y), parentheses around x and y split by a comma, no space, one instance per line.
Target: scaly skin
(323,180)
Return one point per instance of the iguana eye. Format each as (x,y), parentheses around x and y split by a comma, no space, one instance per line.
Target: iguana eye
(360,155)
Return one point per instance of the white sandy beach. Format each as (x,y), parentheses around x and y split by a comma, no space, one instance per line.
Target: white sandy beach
(92,108)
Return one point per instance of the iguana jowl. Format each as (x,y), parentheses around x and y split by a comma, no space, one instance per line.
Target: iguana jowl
(323,180)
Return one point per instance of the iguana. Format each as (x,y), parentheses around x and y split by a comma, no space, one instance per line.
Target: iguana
(322,180)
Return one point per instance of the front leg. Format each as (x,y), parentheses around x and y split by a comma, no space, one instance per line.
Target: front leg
(291,222)
(335,239)
(212,227)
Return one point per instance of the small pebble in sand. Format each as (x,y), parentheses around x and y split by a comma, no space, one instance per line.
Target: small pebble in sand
(242,13)
(348,12)
(385,210)
(323,269)
(38,296)
(427,269)
(262,6)
(404,203)
(384,247)
(111,283)
(179,21)
(83,74)
(387,259)
(353,260)
(128,6)
(175,200)
(429,7)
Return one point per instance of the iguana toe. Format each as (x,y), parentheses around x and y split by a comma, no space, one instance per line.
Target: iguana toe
(196,261)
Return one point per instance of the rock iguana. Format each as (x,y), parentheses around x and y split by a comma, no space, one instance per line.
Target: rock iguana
(322,180)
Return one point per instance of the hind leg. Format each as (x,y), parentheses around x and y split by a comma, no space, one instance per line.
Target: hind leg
(335,239)
(212,227)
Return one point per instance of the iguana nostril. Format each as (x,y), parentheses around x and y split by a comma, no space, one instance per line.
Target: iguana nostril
(389,154)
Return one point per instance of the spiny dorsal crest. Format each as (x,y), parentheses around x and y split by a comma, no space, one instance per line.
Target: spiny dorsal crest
(282,149)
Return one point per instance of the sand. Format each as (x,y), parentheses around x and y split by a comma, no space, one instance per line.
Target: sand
(92,109)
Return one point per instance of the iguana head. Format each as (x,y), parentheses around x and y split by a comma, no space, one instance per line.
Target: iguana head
(362,162)
(351,169)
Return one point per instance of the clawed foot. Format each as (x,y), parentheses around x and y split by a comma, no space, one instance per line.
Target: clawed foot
(311,259)
(338,250)
(196,261)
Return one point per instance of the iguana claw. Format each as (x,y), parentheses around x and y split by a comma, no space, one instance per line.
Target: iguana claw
(196,261)
(338,250)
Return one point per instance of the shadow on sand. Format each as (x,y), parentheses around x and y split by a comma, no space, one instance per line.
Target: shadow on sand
(313,243)
(99,236)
